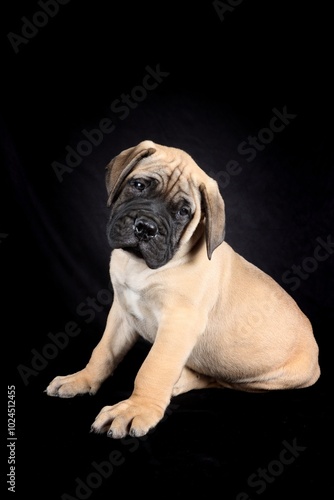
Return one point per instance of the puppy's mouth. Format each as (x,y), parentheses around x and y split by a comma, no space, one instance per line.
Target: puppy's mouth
(147,236)
(135,251)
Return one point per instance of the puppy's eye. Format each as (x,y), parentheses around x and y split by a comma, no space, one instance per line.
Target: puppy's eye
(137,184)
(184,211)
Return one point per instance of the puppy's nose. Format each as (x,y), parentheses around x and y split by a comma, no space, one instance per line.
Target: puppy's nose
(145,228)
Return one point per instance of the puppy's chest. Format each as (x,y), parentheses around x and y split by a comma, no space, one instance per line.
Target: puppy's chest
(133,304)
(139,311)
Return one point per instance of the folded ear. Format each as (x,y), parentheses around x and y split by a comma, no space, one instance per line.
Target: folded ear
(214,210)
(120,166)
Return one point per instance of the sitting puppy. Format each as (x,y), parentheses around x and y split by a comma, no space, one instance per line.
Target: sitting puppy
(178,285)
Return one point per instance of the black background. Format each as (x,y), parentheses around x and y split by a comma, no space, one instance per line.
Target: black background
(222,79)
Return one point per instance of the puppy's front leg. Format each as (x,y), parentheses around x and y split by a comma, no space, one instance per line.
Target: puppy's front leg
(117,339)
(177,335)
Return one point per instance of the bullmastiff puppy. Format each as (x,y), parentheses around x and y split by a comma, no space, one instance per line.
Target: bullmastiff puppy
(213,318)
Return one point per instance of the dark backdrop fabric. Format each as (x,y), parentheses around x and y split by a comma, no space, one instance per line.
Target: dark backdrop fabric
(208,77)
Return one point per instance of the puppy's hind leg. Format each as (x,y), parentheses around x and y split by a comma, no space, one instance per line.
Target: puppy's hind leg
(189,380)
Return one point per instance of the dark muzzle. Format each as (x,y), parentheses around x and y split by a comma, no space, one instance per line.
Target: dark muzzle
(145,228)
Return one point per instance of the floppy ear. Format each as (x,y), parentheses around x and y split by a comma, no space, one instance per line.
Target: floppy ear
(214,210)
(120,166)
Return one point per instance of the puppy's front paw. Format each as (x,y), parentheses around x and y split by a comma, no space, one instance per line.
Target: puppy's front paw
(128,417)
(70,385)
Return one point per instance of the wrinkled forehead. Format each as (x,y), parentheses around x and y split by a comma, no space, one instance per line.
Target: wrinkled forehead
(174,170)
